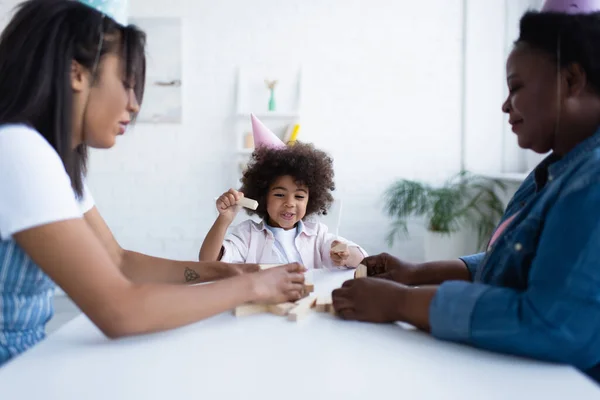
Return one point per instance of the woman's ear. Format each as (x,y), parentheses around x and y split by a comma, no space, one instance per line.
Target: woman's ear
(79,79)
(576,79)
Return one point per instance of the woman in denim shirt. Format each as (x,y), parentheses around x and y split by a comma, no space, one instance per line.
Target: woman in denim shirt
(535,292)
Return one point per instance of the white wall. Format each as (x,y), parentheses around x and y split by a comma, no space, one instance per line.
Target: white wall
(490,145)
(6,11)
(382,84)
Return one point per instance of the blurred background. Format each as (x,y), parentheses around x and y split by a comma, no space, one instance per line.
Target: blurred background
(392,89)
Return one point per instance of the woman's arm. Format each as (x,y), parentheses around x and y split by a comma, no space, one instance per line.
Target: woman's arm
(556,318)
(386,266)
(70,253)
(141,268)
(436,272)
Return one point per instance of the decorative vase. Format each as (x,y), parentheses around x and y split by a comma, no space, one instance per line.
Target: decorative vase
(272,100)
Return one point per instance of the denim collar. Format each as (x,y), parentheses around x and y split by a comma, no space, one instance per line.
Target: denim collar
(553,165)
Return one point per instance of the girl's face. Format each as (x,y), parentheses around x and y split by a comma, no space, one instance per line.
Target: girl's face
(286,202)
(105,109)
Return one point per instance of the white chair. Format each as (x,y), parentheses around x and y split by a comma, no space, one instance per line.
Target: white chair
(333,218)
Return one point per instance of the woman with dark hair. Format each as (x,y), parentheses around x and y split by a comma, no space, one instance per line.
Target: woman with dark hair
(73,77)
(536,291)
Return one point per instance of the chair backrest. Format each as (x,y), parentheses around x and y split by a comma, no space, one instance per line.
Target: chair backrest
(333,218)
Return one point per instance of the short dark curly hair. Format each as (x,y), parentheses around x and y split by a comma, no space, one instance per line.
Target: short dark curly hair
(302,161)
(578,36)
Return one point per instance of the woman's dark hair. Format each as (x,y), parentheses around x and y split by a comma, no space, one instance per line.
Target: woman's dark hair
(577,36)
(36,51)
(309,166)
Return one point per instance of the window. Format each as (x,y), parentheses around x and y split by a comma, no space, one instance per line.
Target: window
(490,147)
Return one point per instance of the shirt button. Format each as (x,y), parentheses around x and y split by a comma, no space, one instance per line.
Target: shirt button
(550,177)
(518,247)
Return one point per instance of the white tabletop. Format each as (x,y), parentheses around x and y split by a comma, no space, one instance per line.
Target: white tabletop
(267,357)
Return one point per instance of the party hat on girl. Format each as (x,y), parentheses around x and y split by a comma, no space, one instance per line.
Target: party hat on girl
(263,136)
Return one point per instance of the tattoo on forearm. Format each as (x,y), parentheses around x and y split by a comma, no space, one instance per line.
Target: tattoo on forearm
(190,275)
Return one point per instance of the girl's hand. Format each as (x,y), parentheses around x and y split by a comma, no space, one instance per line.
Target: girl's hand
(227,204)
(339,253)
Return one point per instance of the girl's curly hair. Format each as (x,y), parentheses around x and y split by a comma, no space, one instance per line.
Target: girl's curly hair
(302,161)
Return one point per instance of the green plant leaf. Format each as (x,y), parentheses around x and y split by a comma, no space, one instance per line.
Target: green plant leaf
(398,229)
(463,200)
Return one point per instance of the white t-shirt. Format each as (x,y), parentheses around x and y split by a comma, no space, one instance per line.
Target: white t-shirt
(35,189)
(286,243)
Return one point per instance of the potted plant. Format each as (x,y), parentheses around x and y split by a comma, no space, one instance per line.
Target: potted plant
(465,201)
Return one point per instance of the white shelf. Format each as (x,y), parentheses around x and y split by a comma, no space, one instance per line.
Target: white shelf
(248,84)
(270,115)
(251,97)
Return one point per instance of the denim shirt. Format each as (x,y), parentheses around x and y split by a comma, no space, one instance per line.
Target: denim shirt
(536,290)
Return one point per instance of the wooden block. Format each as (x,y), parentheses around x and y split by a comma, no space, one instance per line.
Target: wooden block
(323,303)
(361,271)
(309,288)
(340,248)
(248,203)
(309,299)
(302,309)
(249,309)
(281,309)
(331,310)
(308,277)
(298,315)
(267,266)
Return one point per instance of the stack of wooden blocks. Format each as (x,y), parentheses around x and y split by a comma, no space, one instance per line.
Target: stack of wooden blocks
(295,311)
(298,310)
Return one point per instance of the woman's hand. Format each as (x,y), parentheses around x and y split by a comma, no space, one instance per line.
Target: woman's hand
(369,299)
(279,284)
(381,300)
(391,268)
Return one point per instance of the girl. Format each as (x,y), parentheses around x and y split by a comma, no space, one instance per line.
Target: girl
(77,80)
(290,184)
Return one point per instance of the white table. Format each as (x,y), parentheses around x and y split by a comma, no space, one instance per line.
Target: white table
(267,357)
